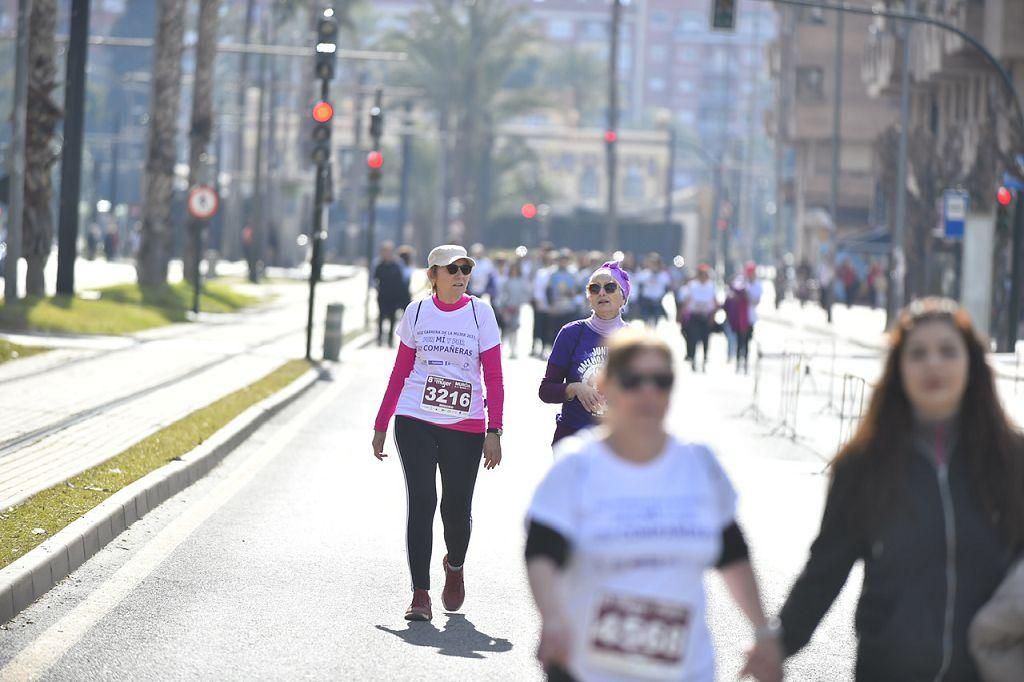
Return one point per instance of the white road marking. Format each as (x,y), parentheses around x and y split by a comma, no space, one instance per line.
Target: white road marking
(39,656)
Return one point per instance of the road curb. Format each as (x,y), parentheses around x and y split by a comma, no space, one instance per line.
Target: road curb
(33,575)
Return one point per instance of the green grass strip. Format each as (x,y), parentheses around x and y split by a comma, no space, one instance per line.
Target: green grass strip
(55,508)
(119,309)
(13,351)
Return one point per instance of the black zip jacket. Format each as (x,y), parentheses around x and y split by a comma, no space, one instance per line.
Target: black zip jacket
(933,563)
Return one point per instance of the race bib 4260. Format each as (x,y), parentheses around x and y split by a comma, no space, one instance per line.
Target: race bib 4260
(639,638)
(447,396)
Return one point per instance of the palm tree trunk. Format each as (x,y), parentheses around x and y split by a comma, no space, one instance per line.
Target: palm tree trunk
(154,251)
(202,123)
(42,116)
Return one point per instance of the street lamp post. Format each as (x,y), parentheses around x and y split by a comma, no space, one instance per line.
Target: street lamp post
(611,135)
(897,264)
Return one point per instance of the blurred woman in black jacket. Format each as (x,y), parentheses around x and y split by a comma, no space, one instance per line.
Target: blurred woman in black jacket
(929,494)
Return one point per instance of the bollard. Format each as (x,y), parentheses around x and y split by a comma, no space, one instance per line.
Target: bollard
(332,331)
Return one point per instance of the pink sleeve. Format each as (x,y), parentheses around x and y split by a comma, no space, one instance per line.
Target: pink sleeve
(404,362)
(491,361)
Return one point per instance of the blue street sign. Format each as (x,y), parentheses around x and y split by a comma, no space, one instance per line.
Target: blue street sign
(1012,182)
(954,212)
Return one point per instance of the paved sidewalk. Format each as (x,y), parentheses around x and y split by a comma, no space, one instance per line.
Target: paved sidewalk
(87,400)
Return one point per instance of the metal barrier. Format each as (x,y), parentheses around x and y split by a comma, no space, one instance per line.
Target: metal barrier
(753,410)
(851,406)
(830,405)
(789,396)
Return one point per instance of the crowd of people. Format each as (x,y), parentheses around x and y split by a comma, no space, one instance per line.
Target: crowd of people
(928,494)
(552,282)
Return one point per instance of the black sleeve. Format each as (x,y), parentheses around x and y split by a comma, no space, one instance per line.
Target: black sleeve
(545,541)
(734,546)
(833,554)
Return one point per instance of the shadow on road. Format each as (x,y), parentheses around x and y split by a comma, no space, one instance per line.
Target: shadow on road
(458,638)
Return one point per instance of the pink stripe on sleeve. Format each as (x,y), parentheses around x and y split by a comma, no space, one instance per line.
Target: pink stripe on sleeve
(493,380)
(404,362)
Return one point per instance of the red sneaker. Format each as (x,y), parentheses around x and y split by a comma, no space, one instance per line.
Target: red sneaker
(454,587)
(420,607)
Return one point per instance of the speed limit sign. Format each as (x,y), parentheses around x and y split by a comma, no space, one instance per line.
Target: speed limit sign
(202,202)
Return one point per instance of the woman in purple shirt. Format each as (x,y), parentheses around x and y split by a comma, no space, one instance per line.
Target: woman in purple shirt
(579,353)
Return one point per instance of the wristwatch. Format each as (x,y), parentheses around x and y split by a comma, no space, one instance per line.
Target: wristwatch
(496,432)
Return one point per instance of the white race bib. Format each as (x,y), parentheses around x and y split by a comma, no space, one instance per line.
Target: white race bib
(447,396)
(638,637)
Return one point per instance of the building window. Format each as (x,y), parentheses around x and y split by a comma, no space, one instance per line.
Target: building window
(810,83)
(589,183)
(690,23)
(687,54)
(686,86)
(656,84)
(560,29)
(633,185)
(660,19)
(658,53)
(812,15)
(687,118)
(594,30)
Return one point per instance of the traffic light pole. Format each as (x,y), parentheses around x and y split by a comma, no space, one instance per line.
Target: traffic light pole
(372,189)
(316,234)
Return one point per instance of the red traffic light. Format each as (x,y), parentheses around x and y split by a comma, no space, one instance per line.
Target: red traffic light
(323,112)
(1004,196)
(529,211)
(375,160)
(610,136)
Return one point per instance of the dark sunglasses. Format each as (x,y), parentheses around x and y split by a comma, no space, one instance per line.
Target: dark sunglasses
(632,381)
(609,288)
(453,268)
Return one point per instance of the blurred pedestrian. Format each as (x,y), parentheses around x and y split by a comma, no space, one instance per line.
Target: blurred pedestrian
(513,294)
(561,295)
(392,291)
(652,283)
(929,495)
(996,635)
(826,286)
(737,312)
(578,354)
(437,392)
(406,255)
(541,308)
(482,282)
(622,530)
(702,303)
(683,317)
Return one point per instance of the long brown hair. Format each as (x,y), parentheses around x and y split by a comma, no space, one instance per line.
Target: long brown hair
(883,442)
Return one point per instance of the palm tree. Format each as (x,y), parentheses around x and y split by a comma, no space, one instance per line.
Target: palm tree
(154,251)
(574,72)
(462,55)
(42,116)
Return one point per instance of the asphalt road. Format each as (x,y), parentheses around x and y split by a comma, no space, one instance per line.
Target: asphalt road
(289,559)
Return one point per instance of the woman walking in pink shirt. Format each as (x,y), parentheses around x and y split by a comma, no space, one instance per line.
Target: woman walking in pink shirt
(437,395)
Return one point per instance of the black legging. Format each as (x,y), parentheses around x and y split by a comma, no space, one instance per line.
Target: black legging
(700,331)
(388,311)
(743,344)
(424,448)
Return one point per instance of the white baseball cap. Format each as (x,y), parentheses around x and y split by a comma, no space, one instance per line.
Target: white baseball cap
(446,254)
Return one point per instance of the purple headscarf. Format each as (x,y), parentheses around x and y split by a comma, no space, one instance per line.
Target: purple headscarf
(615,271)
